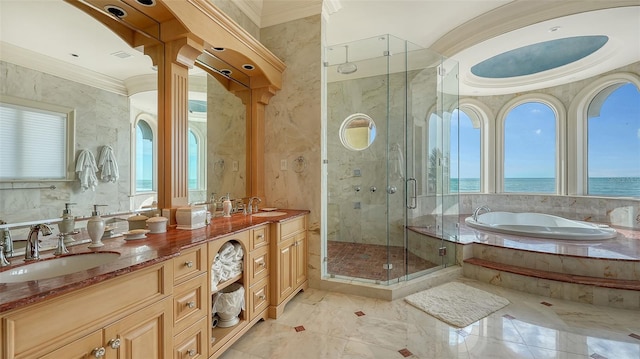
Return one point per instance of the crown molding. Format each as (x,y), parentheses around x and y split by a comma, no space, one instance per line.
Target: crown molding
(251,8)
(284,11)
(330,7)
(35,61)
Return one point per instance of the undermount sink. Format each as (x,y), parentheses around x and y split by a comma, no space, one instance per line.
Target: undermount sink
(269,214)
(55,267)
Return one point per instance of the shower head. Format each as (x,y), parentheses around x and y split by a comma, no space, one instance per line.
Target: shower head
(347,67)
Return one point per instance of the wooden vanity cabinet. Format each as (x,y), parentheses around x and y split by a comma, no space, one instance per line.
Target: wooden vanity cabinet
(289,258)
(125,317)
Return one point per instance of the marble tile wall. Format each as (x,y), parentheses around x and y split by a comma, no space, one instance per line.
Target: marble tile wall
(226,142)
(293,127)
(102,118)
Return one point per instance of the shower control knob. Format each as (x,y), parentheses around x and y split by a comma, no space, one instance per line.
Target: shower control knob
(373,189)
(392,189)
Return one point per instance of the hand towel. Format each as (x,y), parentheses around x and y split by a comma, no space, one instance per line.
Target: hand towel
(108,164)
(86,169)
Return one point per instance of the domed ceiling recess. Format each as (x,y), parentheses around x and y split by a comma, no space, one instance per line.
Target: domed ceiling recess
(551,53)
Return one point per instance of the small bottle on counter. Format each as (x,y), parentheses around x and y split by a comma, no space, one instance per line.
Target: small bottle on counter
(226,206)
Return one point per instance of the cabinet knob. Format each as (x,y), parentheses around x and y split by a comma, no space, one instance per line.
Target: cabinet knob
(262,264)
(260,236)
(114,343)
(262,297)
(188,264)
(191,304)
(99,352)
(192,352)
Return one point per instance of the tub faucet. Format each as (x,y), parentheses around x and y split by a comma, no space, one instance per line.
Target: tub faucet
(253,208)
(31,252)
(476,212)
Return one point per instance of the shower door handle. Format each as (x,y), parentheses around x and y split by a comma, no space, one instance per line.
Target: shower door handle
(412,203)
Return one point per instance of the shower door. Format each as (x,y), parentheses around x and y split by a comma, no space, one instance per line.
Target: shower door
(432,204)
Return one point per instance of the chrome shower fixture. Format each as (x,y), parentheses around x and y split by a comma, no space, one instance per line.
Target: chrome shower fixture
(347,67)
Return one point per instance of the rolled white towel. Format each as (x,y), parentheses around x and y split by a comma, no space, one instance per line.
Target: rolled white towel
(239,253)
(216,272)
(227,252)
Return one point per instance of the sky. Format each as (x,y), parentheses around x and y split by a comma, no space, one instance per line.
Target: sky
(613,143)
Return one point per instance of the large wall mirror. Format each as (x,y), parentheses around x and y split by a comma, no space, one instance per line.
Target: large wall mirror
(116,107)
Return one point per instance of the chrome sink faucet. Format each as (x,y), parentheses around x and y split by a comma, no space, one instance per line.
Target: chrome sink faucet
(476,212)
(253,208)
(32,251)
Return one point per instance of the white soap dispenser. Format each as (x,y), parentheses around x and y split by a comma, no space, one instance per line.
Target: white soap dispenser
(68,223)
(226,206)
(95,227)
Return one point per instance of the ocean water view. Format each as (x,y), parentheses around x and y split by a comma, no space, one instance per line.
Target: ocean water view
(598,186)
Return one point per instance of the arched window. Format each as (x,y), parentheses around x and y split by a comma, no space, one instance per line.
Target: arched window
(613,142)
(530,149)
(194,161)
(144,157)
(467,170)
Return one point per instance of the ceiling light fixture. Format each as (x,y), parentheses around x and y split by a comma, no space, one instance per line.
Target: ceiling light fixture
(146,2)
(554,29)
(248,67)
(116,11)
(217,49)
(347,67)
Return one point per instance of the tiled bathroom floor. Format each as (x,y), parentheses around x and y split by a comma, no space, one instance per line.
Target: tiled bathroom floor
(320,324)
(366,261)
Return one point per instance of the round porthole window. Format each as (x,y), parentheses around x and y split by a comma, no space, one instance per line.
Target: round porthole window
(357,132)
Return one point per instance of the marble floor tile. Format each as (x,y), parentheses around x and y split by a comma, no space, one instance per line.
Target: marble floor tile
(341,326)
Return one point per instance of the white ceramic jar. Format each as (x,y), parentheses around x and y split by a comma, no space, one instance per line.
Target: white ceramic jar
(157,224)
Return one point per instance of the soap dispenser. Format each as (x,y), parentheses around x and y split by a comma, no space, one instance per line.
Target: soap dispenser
(68,223)
(95,227)
(226,206)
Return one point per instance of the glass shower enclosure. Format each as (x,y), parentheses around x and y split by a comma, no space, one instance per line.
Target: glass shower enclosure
(391,211)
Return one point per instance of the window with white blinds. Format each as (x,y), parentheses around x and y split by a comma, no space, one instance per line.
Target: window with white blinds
(35,141)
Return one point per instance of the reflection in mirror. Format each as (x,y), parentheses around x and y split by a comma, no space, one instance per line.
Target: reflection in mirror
(357,132)
(40,68)
(218,138)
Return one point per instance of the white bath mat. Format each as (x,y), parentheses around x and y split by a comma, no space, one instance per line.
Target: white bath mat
(457,304)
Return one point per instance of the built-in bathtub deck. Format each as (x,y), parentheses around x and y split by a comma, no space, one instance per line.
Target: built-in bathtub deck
(603,272)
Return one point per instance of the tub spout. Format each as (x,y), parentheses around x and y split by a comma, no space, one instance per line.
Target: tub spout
(477,211)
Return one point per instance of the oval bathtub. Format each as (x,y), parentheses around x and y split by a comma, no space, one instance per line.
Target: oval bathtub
(540,225)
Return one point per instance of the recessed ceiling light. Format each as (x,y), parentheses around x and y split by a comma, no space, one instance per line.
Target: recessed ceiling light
(248,67)
(146,2)
(116,11)
(217,48)
(226,72)
(555,28)
(74,55)
(121,54)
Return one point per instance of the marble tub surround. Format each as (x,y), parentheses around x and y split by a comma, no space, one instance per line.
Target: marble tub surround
(321,324)
(134,255)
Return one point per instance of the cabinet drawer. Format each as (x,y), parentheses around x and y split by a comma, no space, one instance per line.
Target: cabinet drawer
(71,316)
(189,302)
(258,264)
(190,263)
(259,237)
(191,343)
(258,297)
(292,226)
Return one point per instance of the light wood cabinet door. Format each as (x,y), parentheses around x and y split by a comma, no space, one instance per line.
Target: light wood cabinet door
(84,348)
(300,259)
(286,268)
(144,334)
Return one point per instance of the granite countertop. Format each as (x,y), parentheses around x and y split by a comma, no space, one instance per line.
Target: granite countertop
(134,255)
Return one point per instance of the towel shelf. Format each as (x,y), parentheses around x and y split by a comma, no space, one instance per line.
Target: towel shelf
(43,187)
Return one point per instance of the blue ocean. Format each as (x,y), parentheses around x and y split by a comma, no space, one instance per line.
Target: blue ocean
(598,186)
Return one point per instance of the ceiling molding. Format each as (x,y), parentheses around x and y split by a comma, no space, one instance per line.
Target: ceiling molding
(251,8)
(39,62)
(278,12)
(513,16)
(330,7)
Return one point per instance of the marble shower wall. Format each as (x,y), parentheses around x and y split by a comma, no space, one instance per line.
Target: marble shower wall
(293,127)
(102,118)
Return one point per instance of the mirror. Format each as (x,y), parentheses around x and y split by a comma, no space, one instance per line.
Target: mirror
(105,114)
(357,132)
